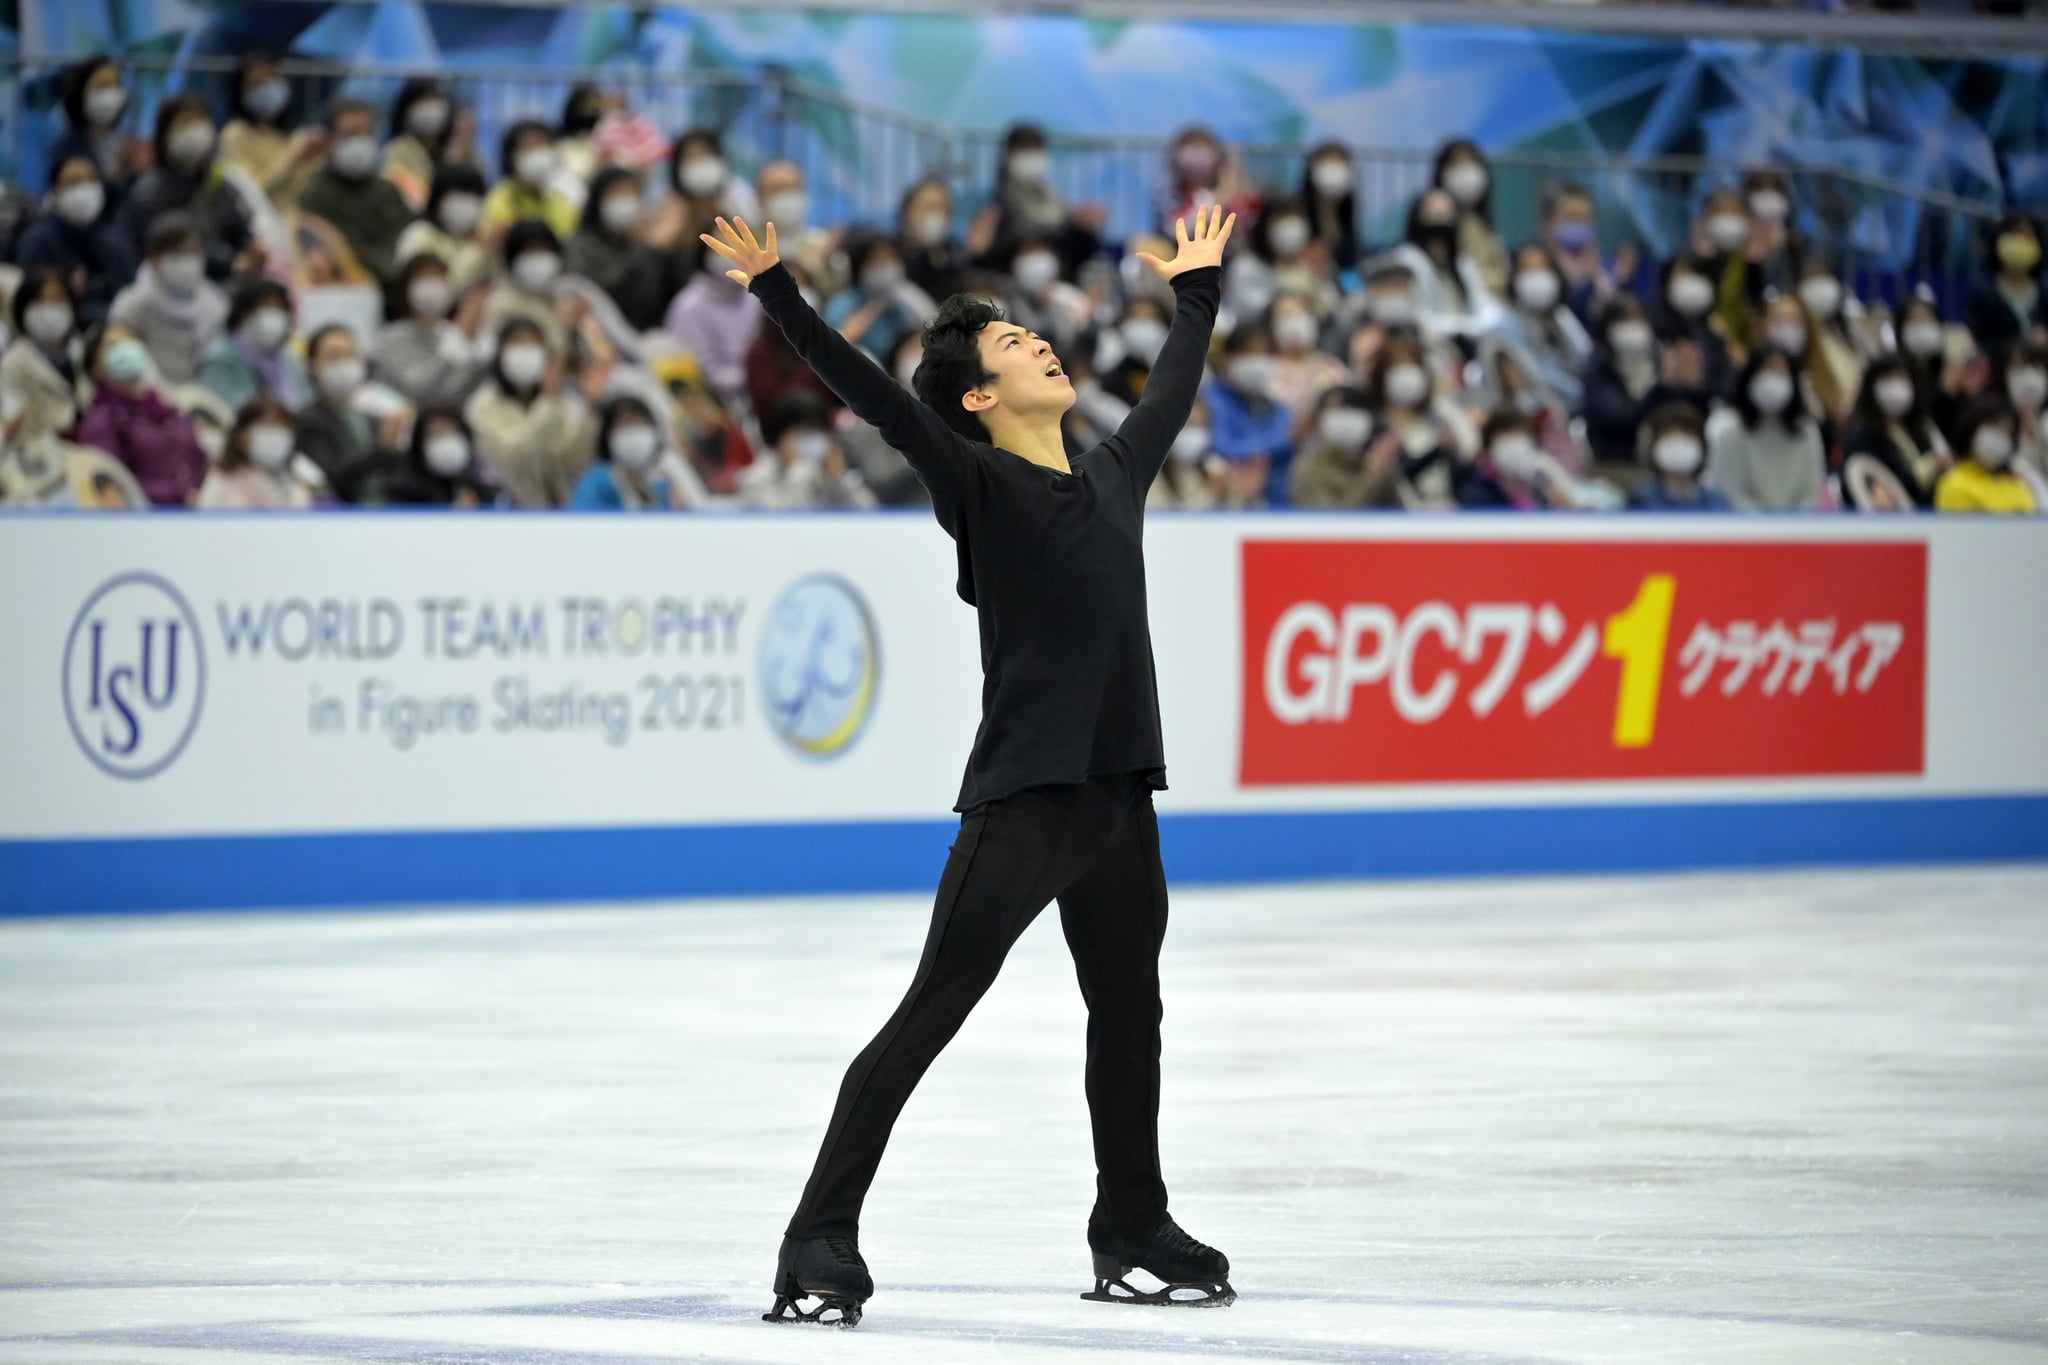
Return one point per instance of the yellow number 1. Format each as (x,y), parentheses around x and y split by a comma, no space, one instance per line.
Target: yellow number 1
(1636,637)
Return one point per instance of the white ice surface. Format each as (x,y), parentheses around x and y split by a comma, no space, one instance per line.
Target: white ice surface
(1714,1119)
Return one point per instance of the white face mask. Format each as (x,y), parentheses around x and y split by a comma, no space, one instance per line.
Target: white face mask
(182,273)
(1331,177)
(268,99)
(459,213)
(1894,395)
(1467,181)
(429,296)
(880,279)
(1771,391)
(1033,166)
(267,328)
(1345,428)
(1036,271)
(1294,331)
(1922,337)
(427,120)
(619,211)
(1288,236)
(355,158)
(1407,386)
(447,453)
(1822,294)
(1191,445)
(1677,453)
(787,209)
(810,447)
(1515,455)
(1690,295)
(339,379)
(1253,374)
(270,445)
(48,323)
(523,363)
(191,143)
(701,176)
(1728,231)
(1788,337)
(104,105)
(536,270)
(634,446)
(534,166)
(1537,290)
(929,227)
(1630,338)
(1770,205)
(2027,387)
(1145,337)
(81,205)
(1992,447)
(1394,309)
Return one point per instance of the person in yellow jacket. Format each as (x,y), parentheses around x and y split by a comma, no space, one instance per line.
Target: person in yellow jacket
(529,191)
(1983,480)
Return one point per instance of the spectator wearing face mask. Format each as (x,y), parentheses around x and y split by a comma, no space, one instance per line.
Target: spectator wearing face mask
(1302,373)
(1571,232)
(1922,338)
(1720,243)
(608,252)
(341,440)
(881,304)
(703,189)
(94,100)
(1280,257)
(2022,375)
(262,139)
(1891,424)
(172,308)
(1684,311)
(933,258)
(1453,293)
(575,135)
(76,237)
(1388,305)
(1329,200)
(530,285)
(1463,172)
(1528,476)
(1785,325)
(1630,377)
(1193,477)
(42,381)
(811,251)
(526,191)
(1678,457)
(1983,480)
(1774,248)
(1140,336)
(430,352)
(1437,444)
(448,229)
(439,467)
(1200,170)
(626,476)
(1339,464)
(350,193)
(533,429)
(254,471)
(804,466)
(1834,360)
(188,178)
(1764,452)
(716,322)
(1254,433)
(423,137)
(2008,308)
(130,420)
(251,358)
(1540,331)
(1040,301)
(1026,207)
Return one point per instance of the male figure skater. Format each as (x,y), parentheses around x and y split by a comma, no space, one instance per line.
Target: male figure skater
(1057,801)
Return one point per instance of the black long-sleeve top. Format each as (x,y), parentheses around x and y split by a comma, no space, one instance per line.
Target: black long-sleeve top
(1052,563)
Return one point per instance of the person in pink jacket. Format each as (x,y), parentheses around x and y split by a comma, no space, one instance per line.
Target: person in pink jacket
(131,422)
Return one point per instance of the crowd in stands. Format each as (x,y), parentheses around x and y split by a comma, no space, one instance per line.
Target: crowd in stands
(235,308)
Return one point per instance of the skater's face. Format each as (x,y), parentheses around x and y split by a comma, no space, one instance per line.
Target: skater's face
(1029,379)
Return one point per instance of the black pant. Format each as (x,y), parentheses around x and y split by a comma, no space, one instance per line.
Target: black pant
(1095,847)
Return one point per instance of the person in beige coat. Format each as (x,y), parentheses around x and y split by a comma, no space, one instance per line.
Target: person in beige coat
(42,388)
(533,430)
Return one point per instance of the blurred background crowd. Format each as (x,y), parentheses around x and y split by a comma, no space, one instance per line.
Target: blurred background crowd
(251,302)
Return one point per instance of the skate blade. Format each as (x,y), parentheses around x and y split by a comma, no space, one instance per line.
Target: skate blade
(786,1310)
(1216,1294)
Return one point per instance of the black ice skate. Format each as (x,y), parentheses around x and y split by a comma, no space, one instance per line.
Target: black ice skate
(828,1269)
(1185,1267)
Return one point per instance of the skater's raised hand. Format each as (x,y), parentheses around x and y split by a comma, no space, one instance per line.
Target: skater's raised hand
(1204,248)
(735,241)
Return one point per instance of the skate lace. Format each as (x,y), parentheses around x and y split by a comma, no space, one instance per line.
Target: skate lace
(1174,1240)
(842,1249)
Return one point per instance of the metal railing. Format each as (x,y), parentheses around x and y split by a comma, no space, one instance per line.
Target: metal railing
(859,160)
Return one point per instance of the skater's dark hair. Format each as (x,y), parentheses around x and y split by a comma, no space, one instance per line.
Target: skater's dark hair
(952,361)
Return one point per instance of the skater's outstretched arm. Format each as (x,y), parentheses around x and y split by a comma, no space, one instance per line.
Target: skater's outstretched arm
(1197,278)
(936,452)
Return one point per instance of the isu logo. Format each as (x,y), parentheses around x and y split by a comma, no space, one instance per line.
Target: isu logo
(134,676)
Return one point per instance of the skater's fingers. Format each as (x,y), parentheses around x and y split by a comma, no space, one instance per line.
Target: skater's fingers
(1228,224)
(739,277)
(720,247)
(1180,229)
(747,235)
(771,239)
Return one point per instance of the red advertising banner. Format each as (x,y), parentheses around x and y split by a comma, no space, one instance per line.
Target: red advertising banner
(1517,661)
